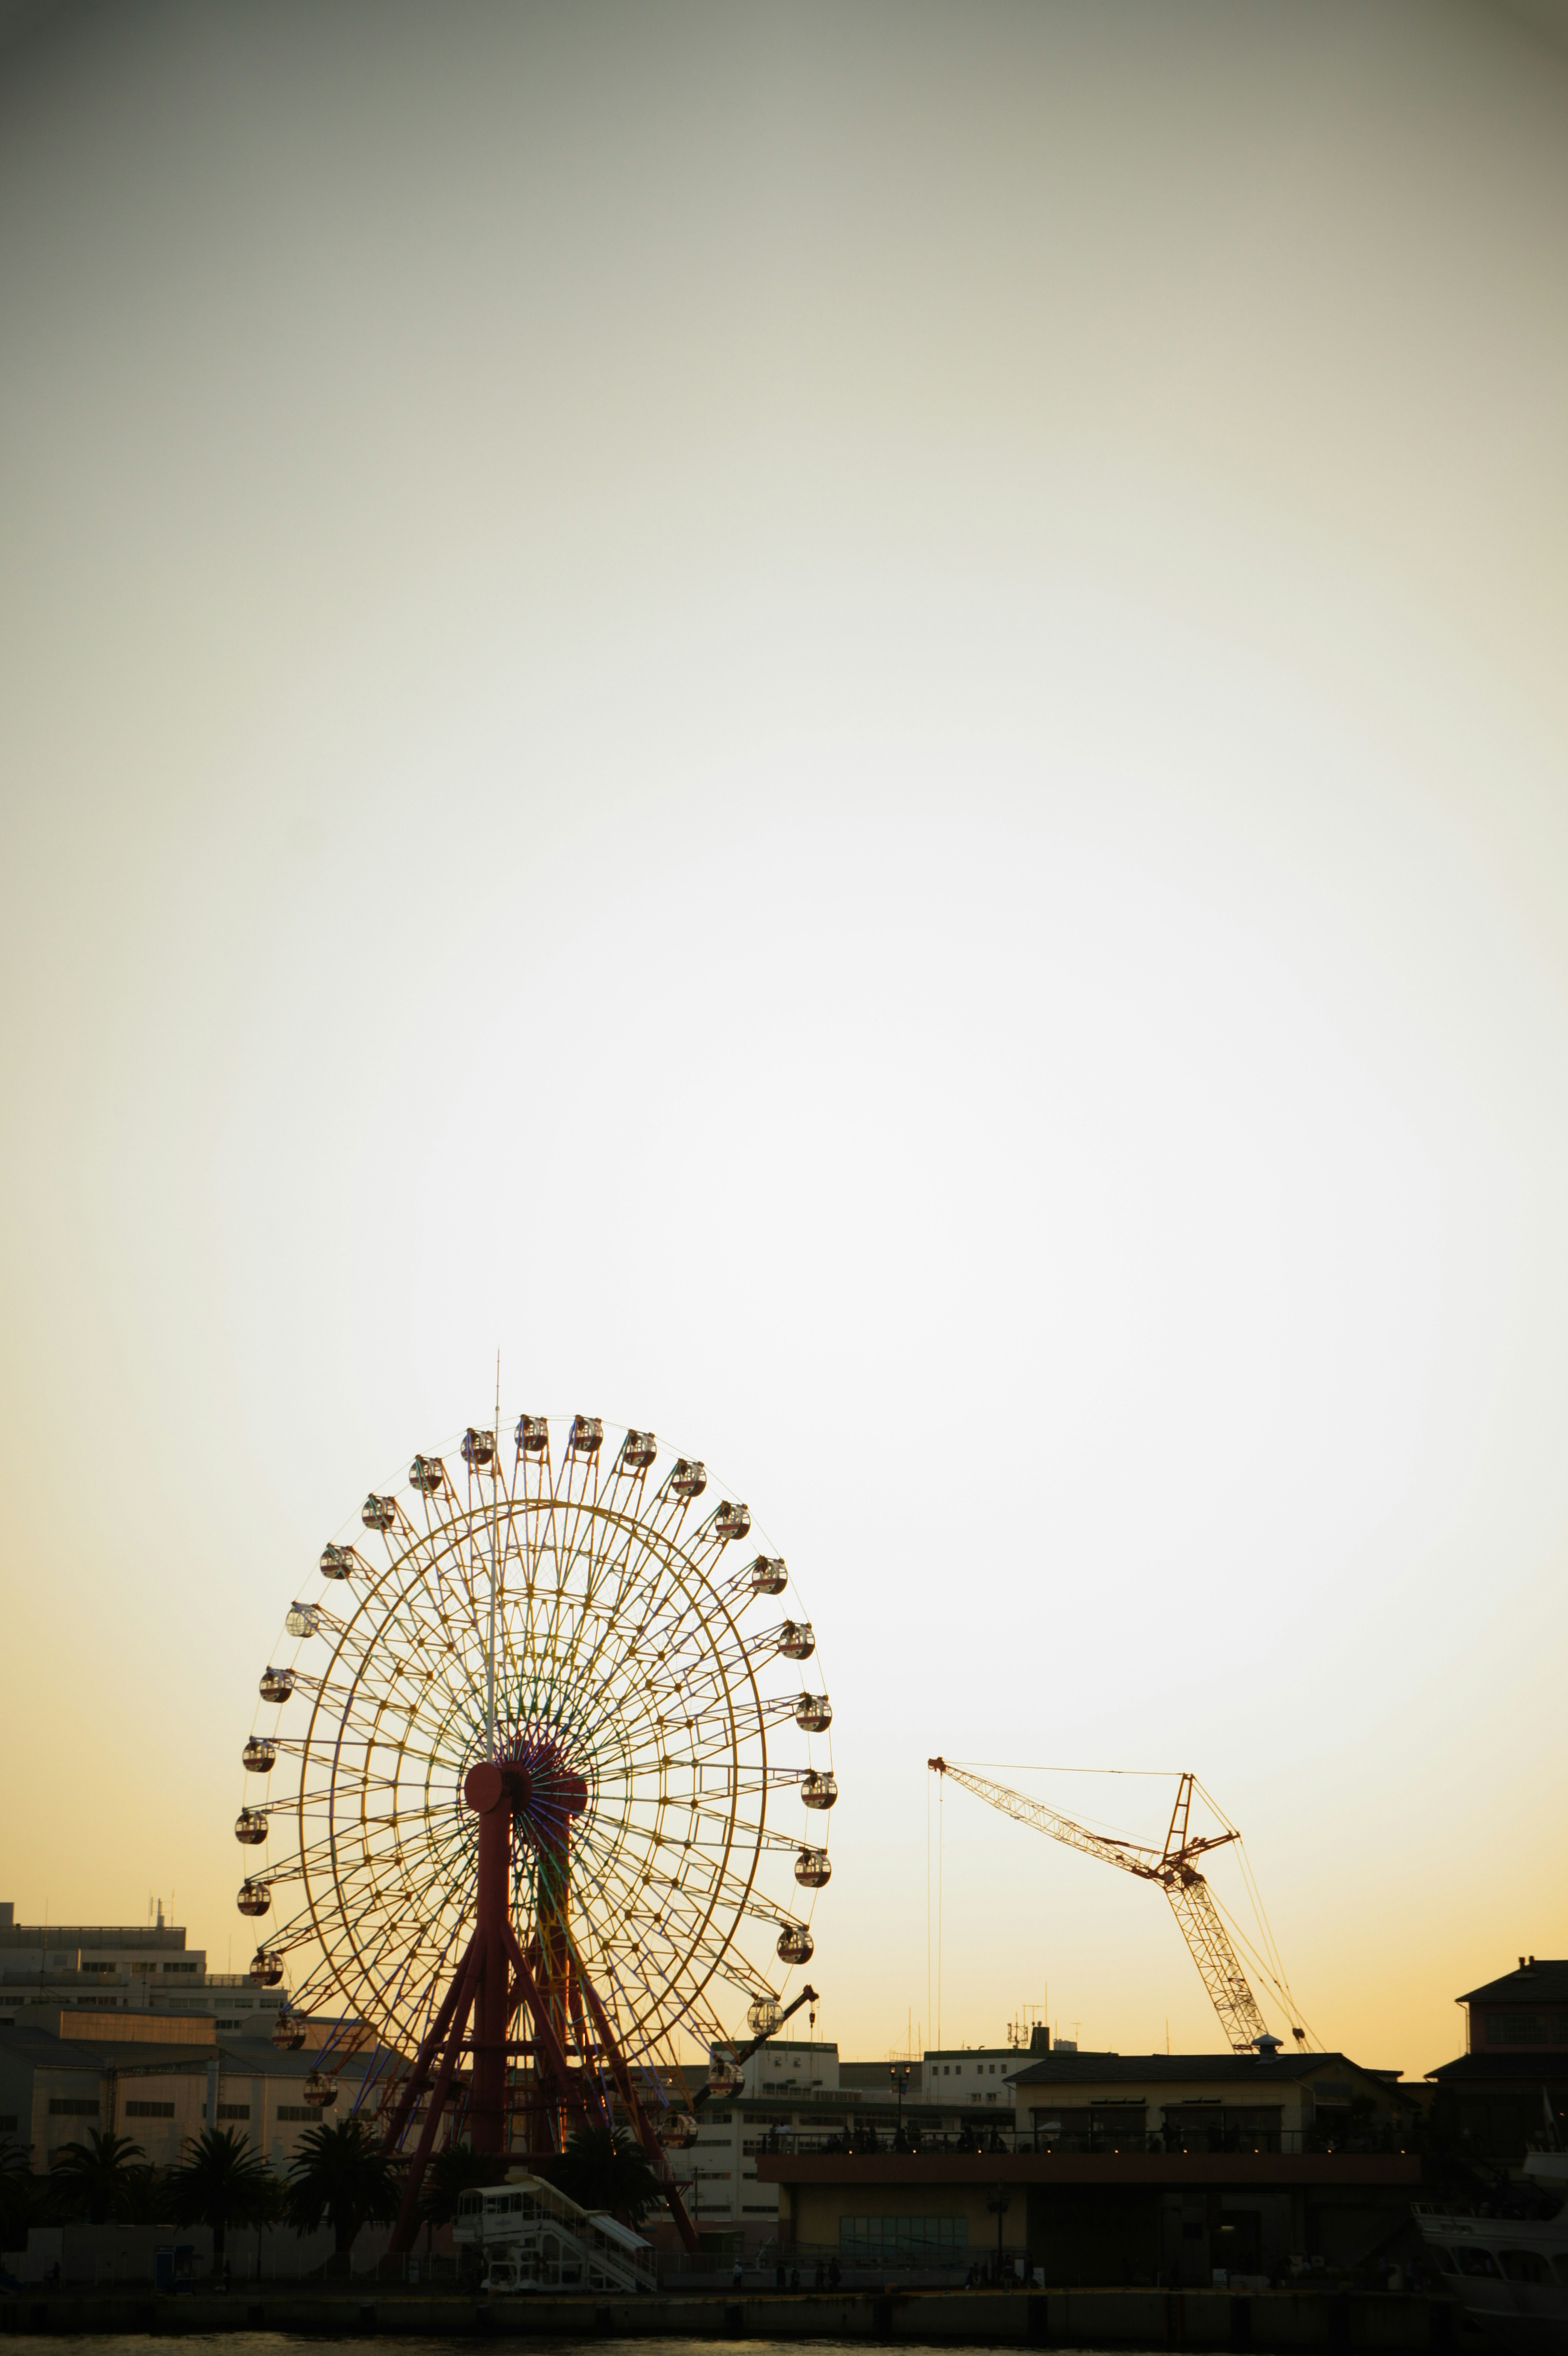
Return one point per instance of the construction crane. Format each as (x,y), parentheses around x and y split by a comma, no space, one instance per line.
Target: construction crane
(1174,1870)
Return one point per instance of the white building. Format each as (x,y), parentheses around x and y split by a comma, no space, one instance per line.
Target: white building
(969,2077)
(787,2085)
(126,1968)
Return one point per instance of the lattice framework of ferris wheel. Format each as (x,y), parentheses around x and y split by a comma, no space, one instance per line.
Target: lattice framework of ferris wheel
(544,1793)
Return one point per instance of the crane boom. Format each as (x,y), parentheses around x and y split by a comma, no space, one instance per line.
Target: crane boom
(1173,1868)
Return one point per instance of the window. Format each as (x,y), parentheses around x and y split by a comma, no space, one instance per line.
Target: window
(1525,2028)
(1477,2262)
(181,1967)
(902,2241)
(1525,2265)
(1560,2267)
(296,2110)
(68,2106)
(149,2110)
(233,2110)
(99,1967)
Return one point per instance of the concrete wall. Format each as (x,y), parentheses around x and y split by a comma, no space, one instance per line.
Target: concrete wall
(103,2255)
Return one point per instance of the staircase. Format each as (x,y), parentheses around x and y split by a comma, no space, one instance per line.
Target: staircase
(533,2238)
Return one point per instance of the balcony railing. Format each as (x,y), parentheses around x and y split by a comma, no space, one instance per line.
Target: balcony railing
(1219,2140)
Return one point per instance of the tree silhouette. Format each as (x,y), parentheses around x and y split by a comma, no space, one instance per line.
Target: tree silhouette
(19,2195)
(221,2182)
(606,2169)
(341,2174)
(93,2180)
(144,2202)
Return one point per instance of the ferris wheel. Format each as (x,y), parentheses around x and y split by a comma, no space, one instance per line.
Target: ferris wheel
(539,1741)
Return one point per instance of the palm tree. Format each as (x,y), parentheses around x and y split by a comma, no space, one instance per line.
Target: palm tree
(93,2180)
(604,2168)
(221,2182)
(452,2173)
(19,2195)
(145,2200)
(341,2174)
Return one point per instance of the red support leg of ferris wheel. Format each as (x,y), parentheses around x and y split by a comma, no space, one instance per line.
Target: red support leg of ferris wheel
(495,1978)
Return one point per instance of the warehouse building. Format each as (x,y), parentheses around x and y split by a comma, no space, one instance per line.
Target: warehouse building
(159,2079)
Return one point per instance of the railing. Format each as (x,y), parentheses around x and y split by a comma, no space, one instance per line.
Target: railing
(1191,2141)
(829,2266)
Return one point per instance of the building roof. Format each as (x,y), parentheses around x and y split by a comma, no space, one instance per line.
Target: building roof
(976,2053)
(258,2057)
(1509,2066)
(94,2054)
(1249,2071)
(883,2171)
(1533,1982)
(164,1938)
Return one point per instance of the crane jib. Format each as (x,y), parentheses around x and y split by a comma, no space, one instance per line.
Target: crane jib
(1208,1940)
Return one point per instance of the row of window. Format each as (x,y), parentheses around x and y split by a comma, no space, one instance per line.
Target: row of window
(871,2241)
(70,2106)
(1526,2027)
(1518,2265)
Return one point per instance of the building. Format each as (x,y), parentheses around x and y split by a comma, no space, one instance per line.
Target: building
(970,2077)
(1207,2102)
(158,2079)
(1104,2218)
(1500,2096)
(1103,2168)
(801,2096)
(781,2068)
(139,1967)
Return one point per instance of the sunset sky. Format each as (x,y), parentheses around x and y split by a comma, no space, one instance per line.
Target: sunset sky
(848,723)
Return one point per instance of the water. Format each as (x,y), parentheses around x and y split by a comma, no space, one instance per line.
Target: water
(274,2343)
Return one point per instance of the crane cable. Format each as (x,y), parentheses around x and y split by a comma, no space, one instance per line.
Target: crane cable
(1276,1981)
(1276,1975)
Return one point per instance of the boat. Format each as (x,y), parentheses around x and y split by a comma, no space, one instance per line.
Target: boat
(1509,2273)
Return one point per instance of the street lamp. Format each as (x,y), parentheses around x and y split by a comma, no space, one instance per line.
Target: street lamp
(899,2078)
(999,2201)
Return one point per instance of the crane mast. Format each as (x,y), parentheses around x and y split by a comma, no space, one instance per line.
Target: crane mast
(1172,1868)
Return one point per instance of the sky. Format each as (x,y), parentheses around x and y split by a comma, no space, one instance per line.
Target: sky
(848,725)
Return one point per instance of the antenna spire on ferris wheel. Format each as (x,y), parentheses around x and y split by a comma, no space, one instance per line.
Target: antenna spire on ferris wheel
(554,1789)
